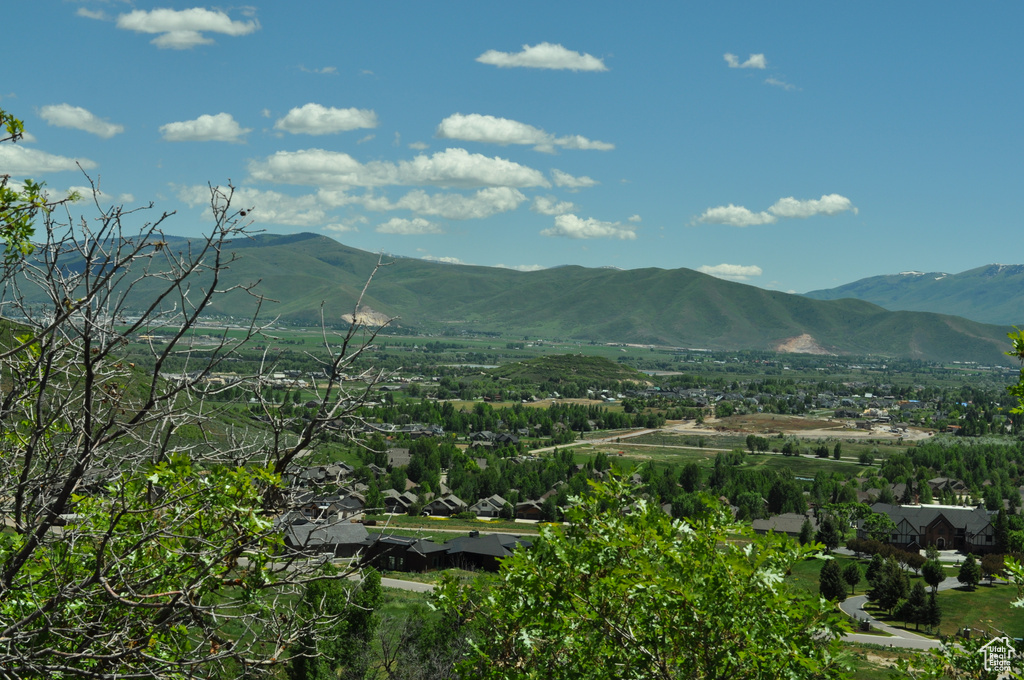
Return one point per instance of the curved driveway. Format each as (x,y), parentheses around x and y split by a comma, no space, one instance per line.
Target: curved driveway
(854,607)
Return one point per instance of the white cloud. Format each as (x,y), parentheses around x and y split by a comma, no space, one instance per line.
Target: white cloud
(830,204)
(735,215)
(544,55)
(91,14)
(325,71)
(493,130)
(483,203)
(67,116)
(780,83)
(367,138)
(19,160)
(183,29)
(571,226)
(265,207)
(206,128)
(87,194)
(314,119)
(732,272)
(448,168)
(341,228)
(738,216)
(442,260)
(418,146)
(522,267)
(564,179)
(753,61)
(415,226)
(549,205)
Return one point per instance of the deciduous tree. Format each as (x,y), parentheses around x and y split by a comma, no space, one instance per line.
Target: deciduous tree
(139,540)
(627,592)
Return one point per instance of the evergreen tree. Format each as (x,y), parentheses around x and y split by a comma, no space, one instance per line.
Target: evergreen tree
(874,568)
(1002,532)
(890,586)
(970,573)
(933,612)
(917,606)
(830,581)
(806,532)
(828,534)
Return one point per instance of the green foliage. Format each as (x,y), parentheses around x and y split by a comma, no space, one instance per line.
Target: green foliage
(852,575)
(970,572)
(20,205)
(830,581)
(626,592)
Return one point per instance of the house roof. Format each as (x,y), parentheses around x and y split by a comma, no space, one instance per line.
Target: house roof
(787,522)
(316,534)
(493,545)
(974,520)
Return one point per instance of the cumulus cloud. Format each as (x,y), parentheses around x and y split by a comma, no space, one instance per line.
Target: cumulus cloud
(206,128)
(418,146)
(493,130)
(634,218)
(522,267)
(753,61)
(571,226)
(549,205)
(544,55)
(88,194)
(732,272)
(481,204)
(68,116)
(184,29)
(415,226)
(738,216)
(341,228)
(91,14)
(829,204)
(314,119)
(449,168)
(19,160)
(564,179)
(443,259)
(265,207)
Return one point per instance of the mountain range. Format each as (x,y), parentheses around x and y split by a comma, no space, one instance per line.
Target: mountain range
(310,274)
(990,294)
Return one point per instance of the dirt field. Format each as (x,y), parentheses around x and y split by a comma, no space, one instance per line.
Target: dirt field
(806,428)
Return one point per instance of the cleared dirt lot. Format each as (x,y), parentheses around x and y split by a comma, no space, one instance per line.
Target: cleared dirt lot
(766,424)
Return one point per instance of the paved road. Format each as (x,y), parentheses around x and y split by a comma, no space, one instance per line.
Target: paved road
(854,607)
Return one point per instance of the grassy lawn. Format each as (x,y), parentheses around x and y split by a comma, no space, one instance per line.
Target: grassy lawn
(463,575)
(986,608)
(874,662)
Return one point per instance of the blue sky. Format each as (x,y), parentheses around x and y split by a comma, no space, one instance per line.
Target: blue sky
(791,146)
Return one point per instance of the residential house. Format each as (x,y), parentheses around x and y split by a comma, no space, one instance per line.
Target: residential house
(488,507)
(340,539)
(946,527)
(789,523)
(482,552)
(446,506)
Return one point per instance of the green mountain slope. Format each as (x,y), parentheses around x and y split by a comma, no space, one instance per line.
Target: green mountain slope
(990,294)
(303,273)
